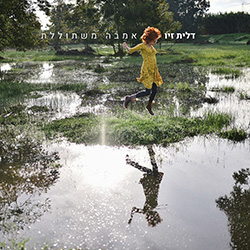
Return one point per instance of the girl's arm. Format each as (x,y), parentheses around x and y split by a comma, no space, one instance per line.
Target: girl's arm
(132,50)
(126,47)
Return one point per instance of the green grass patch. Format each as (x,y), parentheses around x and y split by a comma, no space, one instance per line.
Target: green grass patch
(14,89)
(138,130)
(185,59)
(229,89)
(244,96)
(234,73)
(12,93)
(133,129)
(236,135)
(80,129)
(14,245)
(14,115)
(220,55)
(99,69)
(184,87)
(77,87)
(224,89)
(39,108)
(234,38)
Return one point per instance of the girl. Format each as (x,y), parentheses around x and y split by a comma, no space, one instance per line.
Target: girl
(150,76)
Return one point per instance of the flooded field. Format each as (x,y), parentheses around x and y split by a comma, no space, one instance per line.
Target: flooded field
(63,193)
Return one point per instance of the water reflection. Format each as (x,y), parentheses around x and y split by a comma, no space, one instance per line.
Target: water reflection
(228,103)
(45,74)
(6,66)
(237,208)
(21,184)
(61,104)
(69,72)
(151,183)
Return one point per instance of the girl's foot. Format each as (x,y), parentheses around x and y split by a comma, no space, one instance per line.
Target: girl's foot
(149,107)
(126,101)
(129,99)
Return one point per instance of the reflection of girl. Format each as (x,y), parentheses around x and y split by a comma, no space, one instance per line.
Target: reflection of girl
(151,183)
(150,76)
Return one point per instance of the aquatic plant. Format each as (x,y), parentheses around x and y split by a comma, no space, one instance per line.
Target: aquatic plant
(234,134)
(14,245)
(244,96)
(234,73)
(225,89)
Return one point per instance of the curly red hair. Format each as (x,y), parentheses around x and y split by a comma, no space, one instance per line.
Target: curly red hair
(150,34)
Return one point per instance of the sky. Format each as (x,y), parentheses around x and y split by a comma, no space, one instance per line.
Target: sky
(216,6)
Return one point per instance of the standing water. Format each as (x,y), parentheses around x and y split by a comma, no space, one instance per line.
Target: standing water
(93,198)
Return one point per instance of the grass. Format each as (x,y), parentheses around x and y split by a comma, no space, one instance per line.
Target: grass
(234,73)
(244,96)
(220,55)
(208,55)
(234,134)
(80,129)
(184,87)
(134,129)
(224,89)
(14,245)
(12,93)
(234,38)
(10,89)
(228,89)
(46,54)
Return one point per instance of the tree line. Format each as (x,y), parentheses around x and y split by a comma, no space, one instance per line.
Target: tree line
(21,29)
(225,23)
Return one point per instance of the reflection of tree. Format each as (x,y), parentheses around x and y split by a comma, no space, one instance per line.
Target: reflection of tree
(20,183)
(237,208)
(151,183)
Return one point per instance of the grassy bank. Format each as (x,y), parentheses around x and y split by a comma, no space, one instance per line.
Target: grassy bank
(226,54)
(134,129)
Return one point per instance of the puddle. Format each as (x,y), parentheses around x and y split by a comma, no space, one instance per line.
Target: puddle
(65,72)
(97,194)
(45,75)
(91,202)
(229,102)
(6,66)
(60,104)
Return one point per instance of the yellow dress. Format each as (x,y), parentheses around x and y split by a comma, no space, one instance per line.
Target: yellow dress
(149,69)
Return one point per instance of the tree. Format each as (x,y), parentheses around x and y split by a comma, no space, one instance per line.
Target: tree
(189,13)
(133,16)
(60,18)
(20,27)
(85,18)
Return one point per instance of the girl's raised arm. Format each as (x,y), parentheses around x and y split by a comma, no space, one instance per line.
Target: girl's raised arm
(126,46)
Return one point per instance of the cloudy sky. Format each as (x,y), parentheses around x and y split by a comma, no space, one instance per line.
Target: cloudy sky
(229,5)
(216,6)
